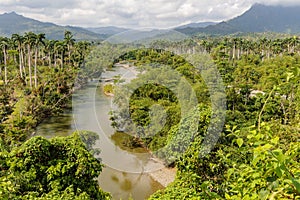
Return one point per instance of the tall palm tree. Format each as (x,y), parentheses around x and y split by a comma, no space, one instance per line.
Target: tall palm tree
(49,50)
(38,40)
(29,41)
(59,48)
(4,41)
(277,46)
(18,39)
(81,49)
(69,41)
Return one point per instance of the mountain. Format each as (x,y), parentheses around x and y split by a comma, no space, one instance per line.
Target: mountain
(259,18)
(14,23)
(108,30)
(196,25)
(146,36)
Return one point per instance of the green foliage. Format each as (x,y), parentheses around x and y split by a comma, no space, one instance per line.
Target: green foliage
(181,135)
(162,95)
(257,156)
(24,104)
(102,57)
(108,89)
(56,168)
(270,172)
(36,168)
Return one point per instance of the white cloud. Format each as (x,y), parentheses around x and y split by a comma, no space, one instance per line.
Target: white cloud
(132,13)
(188,10)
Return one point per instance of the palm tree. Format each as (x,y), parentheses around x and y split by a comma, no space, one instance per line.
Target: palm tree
(239,45)
(4,41)
(38,40)
(277,46)
(18,39)
(29,41)
(69,41)
(234,45)
(81,49)
(49,50)
(291,44)
(59,48)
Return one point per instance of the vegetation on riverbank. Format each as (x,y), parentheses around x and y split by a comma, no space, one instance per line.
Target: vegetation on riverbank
(257,154)
(59,168)
(108,89)
(128,143)
(38,77)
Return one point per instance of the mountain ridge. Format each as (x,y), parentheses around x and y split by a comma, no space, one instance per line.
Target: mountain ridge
(196,25)
(12,22)
(259,18)
(107,30)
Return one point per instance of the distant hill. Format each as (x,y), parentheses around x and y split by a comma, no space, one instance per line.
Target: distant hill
(146,36)
(11,23)
(108,30)
(196,25)
(259,18)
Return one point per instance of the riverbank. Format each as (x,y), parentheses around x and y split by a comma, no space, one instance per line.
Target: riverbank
(109,94)
(164,176)
(108,89)
(160,173)
(116,177)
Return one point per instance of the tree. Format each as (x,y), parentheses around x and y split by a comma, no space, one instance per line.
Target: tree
(81,49)
(59,48)
(49,50)
(4,42)
(19,40)
(69,41)
(39,40)
(29,41)
(41,168)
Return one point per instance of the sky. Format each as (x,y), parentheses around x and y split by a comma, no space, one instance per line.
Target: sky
(132,13)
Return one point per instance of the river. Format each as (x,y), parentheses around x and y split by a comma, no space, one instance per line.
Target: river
(125,173)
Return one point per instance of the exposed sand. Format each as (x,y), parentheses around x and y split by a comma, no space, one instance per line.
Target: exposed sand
(109,94)
(164,176)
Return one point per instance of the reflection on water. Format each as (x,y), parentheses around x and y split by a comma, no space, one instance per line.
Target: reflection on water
(123,175)
(57,126)
(124,185)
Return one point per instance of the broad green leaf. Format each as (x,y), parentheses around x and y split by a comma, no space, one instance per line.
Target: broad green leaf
(279,171)
(227,196)
(296,183)
(240,142)
(275,140)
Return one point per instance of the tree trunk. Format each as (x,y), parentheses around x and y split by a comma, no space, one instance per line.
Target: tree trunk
(62,59)
(29,65)
(35,66)
(5,65)
(23,66)
(55,60)
(20,62)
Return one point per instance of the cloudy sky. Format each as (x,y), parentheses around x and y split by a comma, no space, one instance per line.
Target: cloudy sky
(132,13)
